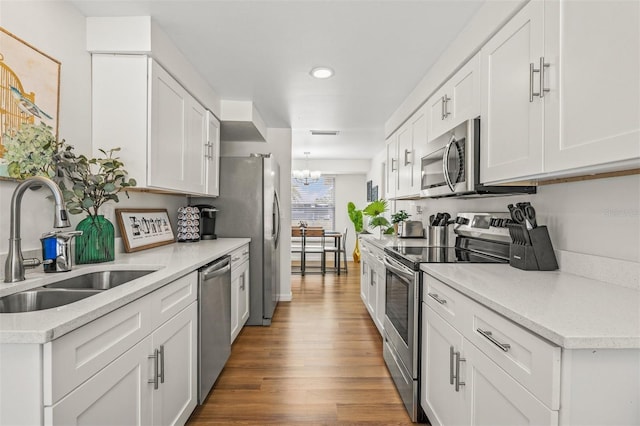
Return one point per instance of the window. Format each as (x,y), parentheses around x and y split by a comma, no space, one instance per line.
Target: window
(314,203)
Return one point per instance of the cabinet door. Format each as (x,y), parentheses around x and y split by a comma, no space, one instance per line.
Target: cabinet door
(167,141)
(213,155)
(437,118)
(176,396)
(405,160)
(372,295)
(464,89)
(380,294)
(592,110)
(364,273)
(419,129)
(512,121)
(392,167)
(117,395)
(495,398)
(235,296)
(243,297)
(196,148)
(439,399)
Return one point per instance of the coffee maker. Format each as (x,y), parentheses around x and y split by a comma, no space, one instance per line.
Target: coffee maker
(207,221)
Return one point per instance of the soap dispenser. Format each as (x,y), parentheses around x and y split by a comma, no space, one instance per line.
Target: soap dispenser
(56,250)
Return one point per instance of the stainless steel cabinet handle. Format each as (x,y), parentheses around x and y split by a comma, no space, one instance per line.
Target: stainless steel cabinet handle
(543,65)
(487,334)
(242,282)
(445,109)
(208,153)
(155,369)
(245,252)
(161,354)
(435,297)
(406,155)
(531,71)
(235,258)
(393,168)
(451,374)
(458,361)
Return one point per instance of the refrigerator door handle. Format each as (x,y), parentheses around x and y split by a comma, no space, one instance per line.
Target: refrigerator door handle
(276,213)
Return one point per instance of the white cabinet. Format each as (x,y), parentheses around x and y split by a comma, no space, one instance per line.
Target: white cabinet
(372,281)
(560,91)
(512,117)
(161,128)
(404,152)
(456,101)
(121,393)
(213,155)
(479,368)
(391,184)
(239,290)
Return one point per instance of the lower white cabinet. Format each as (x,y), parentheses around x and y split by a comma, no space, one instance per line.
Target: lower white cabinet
(372,281)
(239,290)
(154,382)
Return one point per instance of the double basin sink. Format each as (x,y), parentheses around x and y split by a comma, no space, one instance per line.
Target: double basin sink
(67,291)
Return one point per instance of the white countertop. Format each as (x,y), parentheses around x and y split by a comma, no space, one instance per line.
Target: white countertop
(571,311)
(171,262)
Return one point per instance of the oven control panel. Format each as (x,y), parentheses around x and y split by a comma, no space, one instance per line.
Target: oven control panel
(489,226)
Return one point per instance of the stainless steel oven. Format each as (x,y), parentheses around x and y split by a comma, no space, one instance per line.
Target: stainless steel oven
(401,327)
(452,166)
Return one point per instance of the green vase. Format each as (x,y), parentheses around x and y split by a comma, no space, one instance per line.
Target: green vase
(96,244)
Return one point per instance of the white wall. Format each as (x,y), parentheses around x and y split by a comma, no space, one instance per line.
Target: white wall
(58,29)
(349,188)
(279,145)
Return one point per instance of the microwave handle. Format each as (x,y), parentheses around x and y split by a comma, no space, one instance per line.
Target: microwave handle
(445,163)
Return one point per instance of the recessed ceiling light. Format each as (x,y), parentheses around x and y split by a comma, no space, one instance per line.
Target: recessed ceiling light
(321,72)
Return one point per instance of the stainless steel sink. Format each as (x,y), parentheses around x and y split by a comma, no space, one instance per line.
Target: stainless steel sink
(102,280)
(42,298)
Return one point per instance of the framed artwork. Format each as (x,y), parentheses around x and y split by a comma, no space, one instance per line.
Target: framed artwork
(369,187)
(30,95)
(142,229)
(374,193)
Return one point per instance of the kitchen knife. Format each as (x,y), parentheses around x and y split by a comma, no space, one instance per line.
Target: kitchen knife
(436,221)
(445,219)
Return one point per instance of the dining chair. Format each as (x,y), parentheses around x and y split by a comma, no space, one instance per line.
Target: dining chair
(297,246)
(337,250)
(314,243)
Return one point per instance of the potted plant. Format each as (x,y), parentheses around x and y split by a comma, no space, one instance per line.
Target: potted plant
(374,210)
(398,218)
(86,184)
(356,218)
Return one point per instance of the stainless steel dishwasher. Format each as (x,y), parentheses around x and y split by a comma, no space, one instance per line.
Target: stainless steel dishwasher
(214,322)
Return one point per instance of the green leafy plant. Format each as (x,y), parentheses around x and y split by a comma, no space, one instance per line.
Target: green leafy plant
(88,183)
(374,210)
(399,216)
(29,151)
(356,217)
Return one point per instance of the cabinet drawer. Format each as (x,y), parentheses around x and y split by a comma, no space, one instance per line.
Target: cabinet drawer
(76,356)
(532,361)
(239,256)
(172,298)
(446,301)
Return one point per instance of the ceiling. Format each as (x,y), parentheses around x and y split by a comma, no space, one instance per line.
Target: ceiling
(263,50)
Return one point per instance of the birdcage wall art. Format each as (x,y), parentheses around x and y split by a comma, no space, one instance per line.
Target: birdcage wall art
(29,106)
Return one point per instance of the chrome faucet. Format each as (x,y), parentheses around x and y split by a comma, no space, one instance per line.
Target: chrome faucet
(15,263)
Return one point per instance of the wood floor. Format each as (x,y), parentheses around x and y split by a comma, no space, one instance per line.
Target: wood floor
(319,363)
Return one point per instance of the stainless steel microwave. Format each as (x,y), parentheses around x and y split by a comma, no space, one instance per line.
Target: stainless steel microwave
(452,167)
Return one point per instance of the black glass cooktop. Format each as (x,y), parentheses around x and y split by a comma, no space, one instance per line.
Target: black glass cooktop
(414,256)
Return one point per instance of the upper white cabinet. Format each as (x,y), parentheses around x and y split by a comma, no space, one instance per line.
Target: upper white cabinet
(213,155)
(405,150)
(163,130)
(392,166)
(560,91)
(456,101)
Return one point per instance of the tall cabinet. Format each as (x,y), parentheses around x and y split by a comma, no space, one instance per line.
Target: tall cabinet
(162,129)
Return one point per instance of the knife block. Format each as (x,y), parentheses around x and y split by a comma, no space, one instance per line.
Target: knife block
(531,250)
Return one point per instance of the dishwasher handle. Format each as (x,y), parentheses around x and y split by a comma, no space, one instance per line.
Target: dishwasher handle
(219,267)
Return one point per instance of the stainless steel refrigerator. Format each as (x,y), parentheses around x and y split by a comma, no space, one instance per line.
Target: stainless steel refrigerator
(249,207)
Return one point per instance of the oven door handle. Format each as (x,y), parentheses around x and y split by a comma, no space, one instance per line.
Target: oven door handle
(445,163)
(398,269)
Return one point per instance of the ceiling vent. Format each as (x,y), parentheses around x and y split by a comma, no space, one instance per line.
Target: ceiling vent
(324,132)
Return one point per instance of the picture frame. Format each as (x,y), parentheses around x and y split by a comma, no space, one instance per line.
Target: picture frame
(142,229)
(374,193)
(30,79)
(369,188)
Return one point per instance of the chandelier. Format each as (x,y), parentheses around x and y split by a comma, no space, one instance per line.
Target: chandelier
(306,176)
